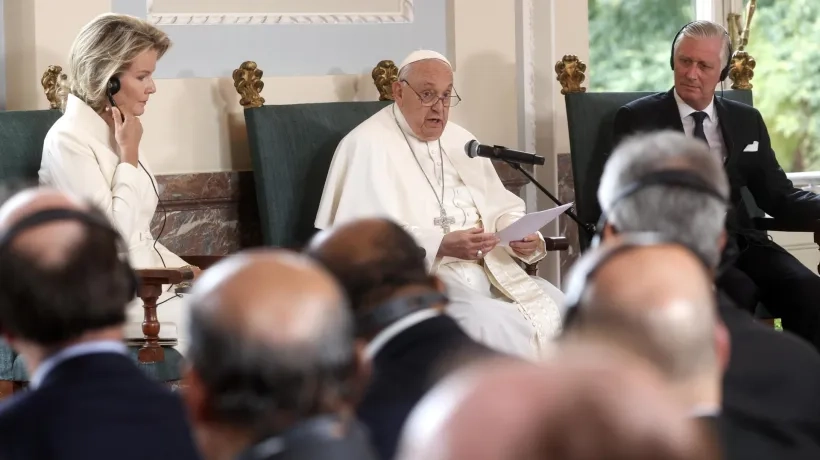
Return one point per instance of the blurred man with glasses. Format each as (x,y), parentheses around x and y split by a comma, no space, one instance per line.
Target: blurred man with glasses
(407,163)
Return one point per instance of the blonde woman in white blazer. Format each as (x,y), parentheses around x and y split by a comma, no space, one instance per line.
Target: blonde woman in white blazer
(93,150)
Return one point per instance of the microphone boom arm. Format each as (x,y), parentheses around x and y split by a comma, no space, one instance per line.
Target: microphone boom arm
(588,228)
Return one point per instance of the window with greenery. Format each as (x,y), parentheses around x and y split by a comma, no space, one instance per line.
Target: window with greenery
(787,79)
(630,42)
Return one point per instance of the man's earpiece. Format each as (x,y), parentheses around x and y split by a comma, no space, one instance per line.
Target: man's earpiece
(112,89)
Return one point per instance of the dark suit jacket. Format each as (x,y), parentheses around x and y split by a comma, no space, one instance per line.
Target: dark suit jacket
(740,125)
(313,440)
(96,406)
(772,375)
(405,369)
(742,438)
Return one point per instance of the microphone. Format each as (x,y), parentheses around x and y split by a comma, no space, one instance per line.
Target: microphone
(497,152)
(515,159)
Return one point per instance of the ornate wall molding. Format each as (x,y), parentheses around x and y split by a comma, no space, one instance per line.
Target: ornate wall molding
(211,45)
(403,15)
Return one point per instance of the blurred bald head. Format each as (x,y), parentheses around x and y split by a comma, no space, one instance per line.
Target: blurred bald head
(66,273)
(658,303)
(274,297)
(576,409)
(271,339)
(48,244)
(374,259)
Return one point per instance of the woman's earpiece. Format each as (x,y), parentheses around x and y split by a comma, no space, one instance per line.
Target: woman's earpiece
(112,89)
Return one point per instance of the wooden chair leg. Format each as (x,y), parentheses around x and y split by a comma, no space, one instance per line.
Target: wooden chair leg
(151,351)
(6,389)
(531,269)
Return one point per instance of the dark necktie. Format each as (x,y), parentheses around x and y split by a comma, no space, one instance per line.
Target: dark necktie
(699,117)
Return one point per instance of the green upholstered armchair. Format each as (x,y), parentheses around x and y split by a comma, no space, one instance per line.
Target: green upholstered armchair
(291,150)
(590,117)
(21,147)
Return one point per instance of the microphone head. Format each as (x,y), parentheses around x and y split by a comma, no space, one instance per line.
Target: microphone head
(471,148)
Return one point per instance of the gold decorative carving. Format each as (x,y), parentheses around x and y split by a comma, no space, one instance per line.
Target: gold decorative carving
(384,74)
(570,72)
(742,70)
(247,80)
(742,66)
(51,80)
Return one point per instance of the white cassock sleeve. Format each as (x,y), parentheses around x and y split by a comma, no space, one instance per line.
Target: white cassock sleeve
(74,169)
(362,183)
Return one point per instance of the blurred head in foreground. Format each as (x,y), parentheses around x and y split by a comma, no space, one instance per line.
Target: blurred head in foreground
(591,404)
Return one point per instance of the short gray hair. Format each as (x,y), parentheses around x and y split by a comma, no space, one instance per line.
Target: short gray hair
(706,29)
(688,216)
(252,384)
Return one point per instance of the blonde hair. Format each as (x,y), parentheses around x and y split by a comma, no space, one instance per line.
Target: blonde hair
(104,48)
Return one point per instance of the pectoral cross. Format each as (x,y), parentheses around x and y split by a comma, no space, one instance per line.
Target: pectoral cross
(444,221)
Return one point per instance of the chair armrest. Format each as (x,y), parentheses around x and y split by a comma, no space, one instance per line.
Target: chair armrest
(151,281)
(202,261)
(785,225)
(556,243)
(160,276)
(551,243)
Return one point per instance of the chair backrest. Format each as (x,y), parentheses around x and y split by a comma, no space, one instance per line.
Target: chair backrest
(291,149)
(590,117)
(21,143)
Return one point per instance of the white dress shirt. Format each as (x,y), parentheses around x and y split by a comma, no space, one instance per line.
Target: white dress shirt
(711,125)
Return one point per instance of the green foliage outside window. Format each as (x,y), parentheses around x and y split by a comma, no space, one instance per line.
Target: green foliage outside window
(630,43)
(787,78)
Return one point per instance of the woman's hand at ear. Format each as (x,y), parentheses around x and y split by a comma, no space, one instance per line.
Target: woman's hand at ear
(128,134)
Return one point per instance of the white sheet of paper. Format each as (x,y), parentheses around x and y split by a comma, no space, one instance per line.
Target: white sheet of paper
(530,223)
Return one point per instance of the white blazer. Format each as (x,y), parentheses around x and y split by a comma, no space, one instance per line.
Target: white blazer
(81,156)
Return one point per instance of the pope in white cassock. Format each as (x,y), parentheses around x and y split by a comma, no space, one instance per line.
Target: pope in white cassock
(407,163)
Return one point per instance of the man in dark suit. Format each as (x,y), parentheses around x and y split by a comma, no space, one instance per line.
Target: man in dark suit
(274,372)
(63,294)
(737,135)
(400,315)
(669,183)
